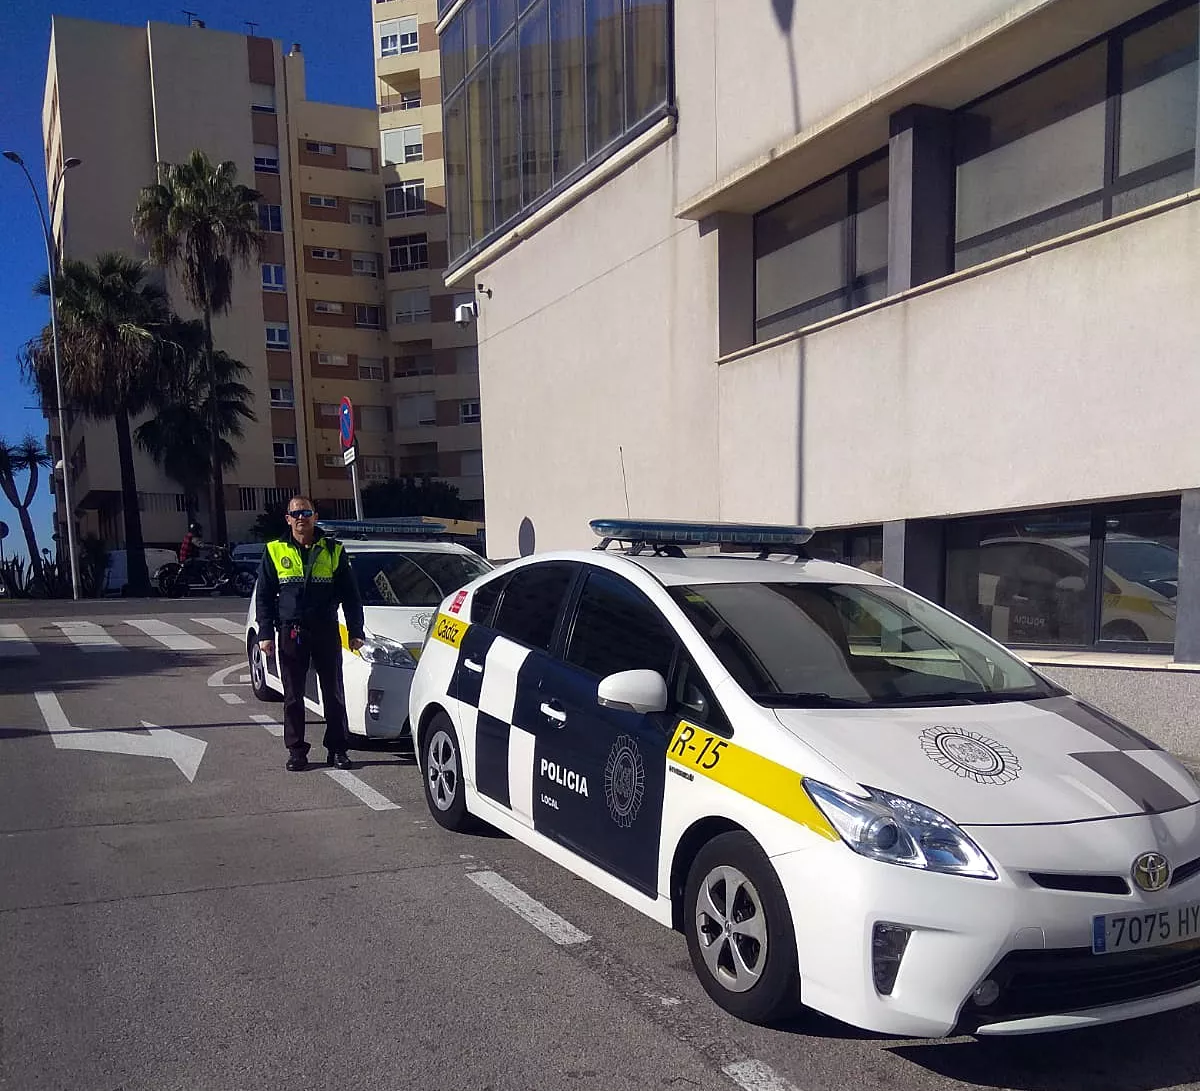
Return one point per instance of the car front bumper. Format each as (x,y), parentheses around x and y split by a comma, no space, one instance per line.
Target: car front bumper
(1034,943)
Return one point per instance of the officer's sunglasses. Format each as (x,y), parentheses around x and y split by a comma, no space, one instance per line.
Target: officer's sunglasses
(300,513)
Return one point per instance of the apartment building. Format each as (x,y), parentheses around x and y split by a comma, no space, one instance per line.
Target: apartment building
(937,300)
(436,404)
(309,323)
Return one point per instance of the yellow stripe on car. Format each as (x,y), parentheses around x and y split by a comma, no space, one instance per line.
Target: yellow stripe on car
(448,630)
(766,782)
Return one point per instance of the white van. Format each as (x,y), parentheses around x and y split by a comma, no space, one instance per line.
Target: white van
(116,576)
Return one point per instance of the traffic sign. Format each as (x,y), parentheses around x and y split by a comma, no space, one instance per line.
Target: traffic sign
(347,422)
(349,455)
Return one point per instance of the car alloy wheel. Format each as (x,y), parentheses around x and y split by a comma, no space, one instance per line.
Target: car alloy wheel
(732,928)
(442,771)
(441,762)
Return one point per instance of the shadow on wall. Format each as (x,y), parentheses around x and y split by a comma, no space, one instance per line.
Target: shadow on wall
(526,537)
(785,12)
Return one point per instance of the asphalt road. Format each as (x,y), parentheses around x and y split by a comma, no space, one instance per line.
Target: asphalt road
(253,928)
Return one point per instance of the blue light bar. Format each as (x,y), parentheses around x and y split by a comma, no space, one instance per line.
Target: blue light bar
(669,532)
(382,528)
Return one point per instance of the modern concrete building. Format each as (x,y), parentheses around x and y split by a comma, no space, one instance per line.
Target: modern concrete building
(435,360)
(919,273)
(309,323)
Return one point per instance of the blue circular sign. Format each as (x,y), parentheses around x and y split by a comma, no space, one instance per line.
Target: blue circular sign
(347,423)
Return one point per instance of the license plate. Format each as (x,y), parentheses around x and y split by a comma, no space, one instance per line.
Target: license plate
(1149,928)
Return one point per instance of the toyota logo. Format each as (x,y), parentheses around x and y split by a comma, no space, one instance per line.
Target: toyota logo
(1151,871)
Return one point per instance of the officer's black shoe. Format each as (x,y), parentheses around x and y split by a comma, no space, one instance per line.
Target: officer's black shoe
(297,764)
(341,760)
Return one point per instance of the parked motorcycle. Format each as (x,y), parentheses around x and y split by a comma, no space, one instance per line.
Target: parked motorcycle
(214,574)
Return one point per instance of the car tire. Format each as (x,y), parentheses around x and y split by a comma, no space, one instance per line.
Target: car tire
(441,773)
(258,674)
(1122,630)
(732,880)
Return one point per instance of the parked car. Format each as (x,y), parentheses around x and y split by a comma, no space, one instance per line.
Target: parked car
(116,575)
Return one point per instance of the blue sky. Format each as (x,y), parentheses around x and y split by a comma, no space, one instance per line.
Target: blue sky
(336,38)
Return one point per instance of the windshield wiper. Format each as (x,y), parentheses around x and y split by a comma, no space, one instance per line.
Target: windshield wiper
(970,697)
(806,700)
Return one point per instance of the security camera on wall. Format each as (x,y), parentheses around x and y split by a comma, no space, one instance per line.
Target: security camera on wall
(466,313)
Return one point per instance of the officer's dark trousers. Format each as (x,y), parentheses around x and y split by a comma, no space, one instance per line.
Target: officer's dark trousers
(324,650)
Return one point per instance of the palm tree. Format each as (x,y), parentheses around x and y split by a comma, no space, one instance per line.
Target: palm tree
(178,436)
(109,315)
(201,222)
(29,457)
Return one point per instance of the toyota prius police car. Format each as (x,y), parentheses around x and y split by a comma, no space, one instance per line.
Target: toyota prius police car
(842,794)
(403,572)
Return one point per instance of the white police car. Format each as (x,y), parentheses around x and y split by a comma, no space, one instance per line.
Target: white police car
(842,794)
(402,574)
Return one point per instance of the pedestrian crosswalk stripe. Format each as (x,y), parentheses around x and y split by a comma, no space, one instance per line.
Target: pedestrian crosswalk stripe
(89,637)
(170,636)
(222,625)
(14,644)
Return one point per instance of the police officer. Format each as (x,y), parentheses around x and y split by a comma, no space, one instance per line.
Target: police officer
(304,575)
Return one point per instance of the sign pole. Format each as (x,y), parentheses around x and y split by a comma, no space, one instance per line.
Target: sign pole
(358,511)
(350,452)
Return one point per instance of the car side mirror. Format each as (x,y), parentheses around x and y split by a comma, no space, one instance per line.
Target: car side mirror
(633,691)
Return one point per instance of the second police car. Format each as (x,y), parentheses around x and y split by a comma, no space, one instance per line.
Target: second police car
(844,796)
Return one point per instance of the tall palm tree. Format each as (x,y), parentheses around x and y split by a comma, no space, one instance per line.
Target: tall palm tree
(110,314)
(187,403)
(202,223)
(28,457)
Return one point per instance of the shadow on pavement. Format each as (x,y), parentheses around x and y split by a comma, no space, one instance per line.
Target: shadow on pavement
(73,670)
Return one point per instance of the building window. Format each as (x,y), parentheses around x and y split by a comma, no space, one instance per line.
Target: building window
(274,497)
(365,265)
(372,368)
(861,547)
(317,148)
(471,464)
(531,104)
(332,359)
(416,410)
(329,414)
(398,36)
(823,251)
(284,451)
(408,252)
(328,306)
(410,306)
(262,98)
(247,498)
(468,412)
(333,461)
(1105,130)
(374,418)
(320,200)
(367,317)
(402,145)
(419,363)
(359,159)
(270,217)
(1072,577)
(266,158)
(282,396)
(324,253)
(277,336)
(405,199)
(273,278)
(376,467)
(362,213)
(466,360)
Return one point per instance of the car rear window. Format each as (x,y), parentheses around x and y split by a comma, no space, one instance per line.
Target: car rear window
(412,578)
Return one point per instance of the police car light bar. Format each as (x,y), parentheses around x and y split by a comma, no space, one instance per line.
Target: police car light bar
(665,534)
(384,528)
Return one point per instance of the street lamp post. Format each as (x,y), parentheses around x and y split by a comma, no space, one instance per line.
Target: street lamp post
(52,269)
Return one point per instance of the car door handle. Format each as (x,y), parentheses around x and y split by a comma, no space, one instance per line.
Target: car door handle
(552,711)
(471,665)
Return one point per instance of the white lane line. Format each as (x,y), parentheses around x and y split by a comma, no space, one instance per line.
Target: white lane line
(220,679)
(543,919)
(756,1076)
(87,636)
(52,713)
(14,644)
(232,699)
(170,636)
(222,625)
(266,721)
(362,790)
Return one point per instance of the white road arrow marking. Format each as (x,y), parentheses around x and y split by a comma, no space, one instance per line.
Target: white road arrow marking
(220,679)
(185,751)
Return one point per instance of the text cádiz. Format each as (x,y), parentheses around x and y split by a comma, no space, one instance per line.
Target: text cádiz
(567,778)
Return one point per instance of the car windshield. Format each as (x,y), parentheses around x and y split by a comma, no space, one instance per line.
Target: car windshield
(814,645)
(413,578)
(1149,563)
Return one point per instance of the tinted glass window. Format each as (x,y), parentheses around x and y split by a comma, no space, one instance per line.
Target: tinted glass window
(617,628)
(412,579)
(1141,566)
(694,699)
(483,603)
(530,603)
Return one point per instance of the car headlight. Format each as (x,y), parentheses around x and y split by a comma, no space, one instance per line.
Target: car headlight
(389,653)
(896,830)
